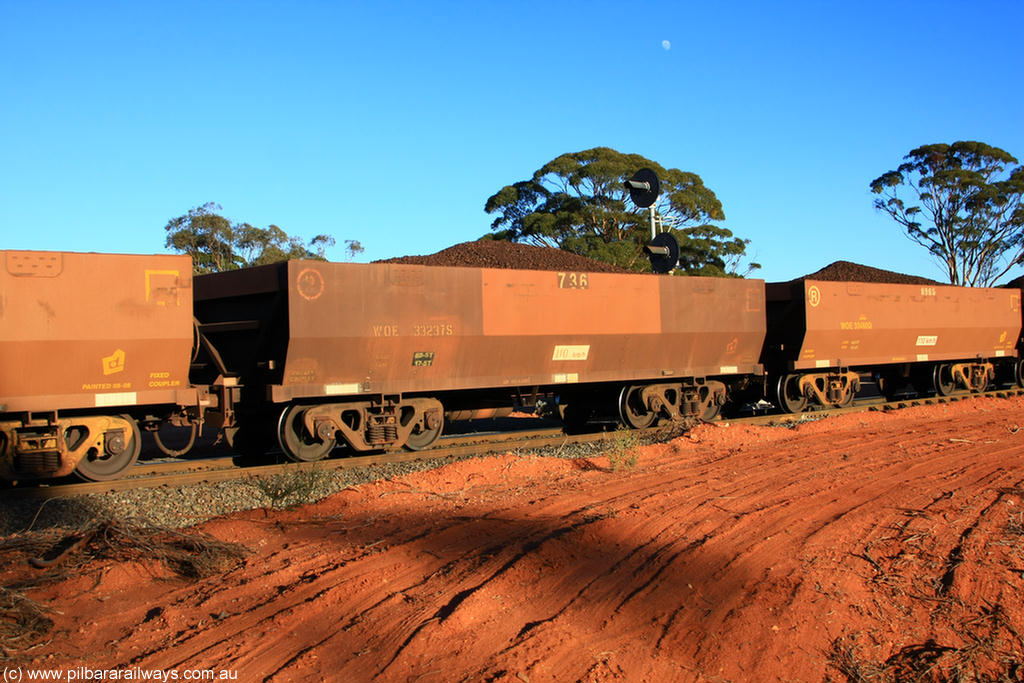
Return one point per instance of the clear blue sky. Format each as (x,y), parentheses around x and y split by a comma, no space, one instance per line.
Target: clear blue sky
(391,123)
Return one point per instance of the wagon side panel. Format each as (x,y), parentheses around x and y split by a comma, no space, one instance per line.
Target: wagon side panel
(389,328)
(852,323)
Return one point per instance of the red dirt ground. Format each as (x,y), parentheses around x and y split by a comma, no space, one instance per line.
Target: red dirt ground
(868,547)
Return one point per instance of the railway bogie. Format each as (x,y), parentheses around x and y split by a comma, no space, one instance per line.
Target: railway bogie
(95,447)
(835,388)
(310,432)
(641,406)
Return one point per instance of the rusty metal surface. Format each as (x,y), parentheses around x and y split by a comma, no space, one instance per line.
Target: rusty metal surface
(388,328)
(98,331)
(833,324)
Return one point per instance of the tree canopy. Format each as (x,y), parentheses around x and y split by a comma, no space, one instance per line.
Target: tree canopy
(216,244)
(962,202)
(578,202)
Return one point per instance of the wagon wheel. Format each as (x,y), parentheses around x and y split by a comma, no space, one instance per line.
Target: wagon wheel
(943,381)
(430,431)
(119,452)
(296,442)
(1018,373)
(632,409)
(788,396)
(710,407)
(847,400)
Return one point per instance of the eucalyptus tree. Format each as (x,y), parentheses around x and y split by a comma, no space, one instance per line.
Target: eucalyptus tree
(962,202)
(578,202)
(216,244)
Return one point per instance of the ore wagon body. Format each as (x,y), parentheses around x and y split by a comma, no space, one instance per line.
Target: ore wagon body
(90,344)
(378,354)
(823,335)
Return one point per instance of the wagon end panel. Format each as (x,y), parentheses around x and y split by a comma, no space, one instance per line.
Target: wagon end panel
(243,319)
(713,326)
(93,331)
(786,319)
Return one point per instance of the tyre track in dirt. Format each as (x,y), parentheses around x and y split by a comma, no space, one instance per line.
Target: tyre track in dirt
(733,553)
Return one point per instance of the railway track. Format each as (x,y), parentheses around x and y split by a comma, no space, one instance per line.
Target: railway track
(225,468)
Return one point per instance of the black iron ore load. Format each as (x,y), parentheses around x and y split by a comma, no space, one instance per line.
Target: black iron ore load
(512,255)
(846,271)
(515,256)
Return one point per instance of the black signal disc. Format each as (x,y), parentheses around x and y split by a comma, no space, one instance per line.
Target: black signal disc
(644,196)
(663,252)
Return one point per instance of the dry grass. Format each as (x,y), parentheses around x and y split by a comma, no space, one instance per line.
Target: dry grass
(22,622)
(844,657)
(189,554)
(58,555)
(1015,527)
(966,636)
(990,652)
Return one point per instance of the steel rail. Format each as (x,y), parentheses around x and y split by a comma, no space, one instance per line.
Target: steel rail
(231,460)
(218,474)
(226,468)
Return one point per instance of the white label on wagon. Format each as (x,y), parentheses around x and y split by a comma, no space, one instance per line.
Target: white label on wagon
(1000,353)
(822,363)
(566,378)
(928,340)
(124,398)
(352,388)
(568,352)
(922,356)
(729,369)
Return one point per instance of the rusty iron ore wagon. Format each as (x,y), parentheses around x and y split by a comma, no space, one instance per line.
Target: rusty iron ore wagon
(381,355)
(824,336)
(91,346)
(310,355)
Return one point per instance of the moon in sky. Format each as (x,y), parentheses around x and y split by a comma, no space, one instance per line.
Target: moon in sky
(666,44)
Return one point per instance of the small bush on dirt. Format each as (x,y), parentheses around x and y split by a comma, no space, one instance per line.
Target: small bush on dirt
(622,450)
(295,487)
